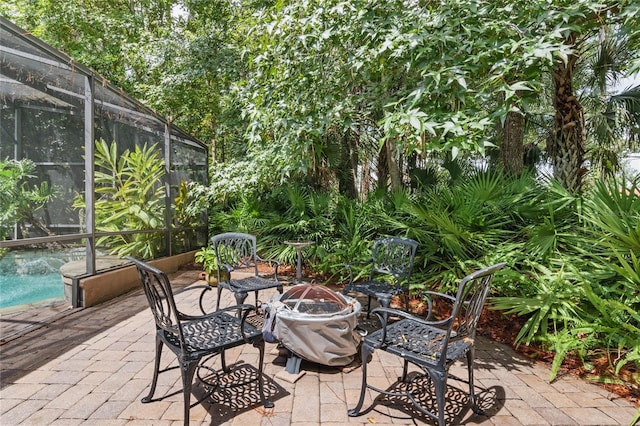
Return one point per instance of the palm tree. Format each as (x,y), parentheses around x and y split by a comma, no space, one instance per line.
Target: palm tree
(596,30)
(567,142)
(614,119)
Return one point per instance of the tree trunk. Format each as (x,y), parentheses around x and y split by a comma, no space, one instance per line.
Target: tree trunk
(395,176)
(347,172)
(511,148)
(365,179)
(382,169)
(566,146)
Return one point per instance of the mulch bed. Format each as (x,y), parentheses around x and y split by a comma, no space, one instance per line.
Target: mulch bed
(504,329)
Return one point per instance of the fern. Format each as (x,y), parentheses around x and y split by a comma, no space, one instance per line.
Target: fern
(555,302)
(562,343)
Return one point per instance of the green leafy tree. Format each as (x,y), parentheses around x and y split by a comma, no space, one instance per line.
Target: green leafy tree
(98,34)
(345,93)
(412,78)
(612,110)
(167,53)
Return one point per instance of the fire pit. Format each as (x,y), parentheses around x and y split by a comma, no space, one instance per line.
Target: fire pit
(316,324)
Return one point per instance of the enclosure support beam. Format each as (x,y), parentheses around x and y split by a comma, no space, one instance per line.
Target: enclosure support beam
(17,147)
(167,188)
(89,184)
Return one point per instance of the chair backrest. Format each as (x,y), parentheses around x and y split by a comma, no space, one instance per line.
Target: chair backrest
(470,299)
(394,256)
(235,249)
(157,288)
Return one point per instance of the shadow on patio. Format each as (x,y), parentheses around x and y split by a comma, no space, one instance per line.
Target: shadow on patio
(93,366)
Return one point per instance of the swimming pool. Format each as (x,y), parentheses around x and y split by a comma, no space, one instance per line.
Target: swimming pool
(31,276)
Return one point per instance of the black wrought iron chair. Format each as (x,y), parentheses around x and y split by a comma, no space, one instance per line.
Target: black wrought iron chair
(193,337)
(237,252)
(431,345)
(391,266)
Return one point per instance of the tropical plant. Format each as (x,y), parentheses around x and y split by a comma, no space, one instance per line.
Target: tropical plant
(129,197)
(612,111)
(187,214)
(206,256)
(458,224)
(302,214)
(612,213)
(20,200)
(354,230)
(578,289)
(552,222)
(553,304)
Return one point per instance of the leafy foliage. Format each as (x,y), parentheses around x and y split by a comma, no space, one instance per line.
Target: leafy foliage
(129,197)
(334,90)
(318,91)
(586,297)
(187,214)
(573,261)
(20,200)
(552,305)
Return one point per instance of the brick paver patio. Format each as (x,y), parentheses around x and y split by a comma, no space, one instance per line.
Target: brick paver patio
(93,366)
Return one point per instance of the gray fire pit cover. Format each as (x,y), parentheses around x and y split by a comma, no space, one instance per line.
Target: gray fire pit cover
(316,323)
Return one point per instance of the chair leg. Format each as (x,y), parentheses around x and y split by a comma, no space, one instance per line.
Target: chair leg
(156,369)
(365,352)
(240,296)
(472,393)
(219,293)
(405,370)
(187,369)
(265,402)
(368,307)
(223,361)
(440,385)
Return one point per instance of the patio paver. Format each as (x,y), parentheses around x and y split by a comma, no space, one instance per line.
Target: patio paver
(93,366)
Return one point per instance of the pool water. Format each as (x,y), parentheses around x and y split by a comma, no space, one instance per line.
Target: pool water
(20,290)
(31,276)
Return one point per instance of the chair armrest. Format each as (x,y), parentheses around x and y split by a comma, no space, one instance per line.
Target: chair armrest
(204,289)
(384,313)
(245,307)
(241,308)
(205,314)
(226,268)
(432,296)
(193,287)
(430,293)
